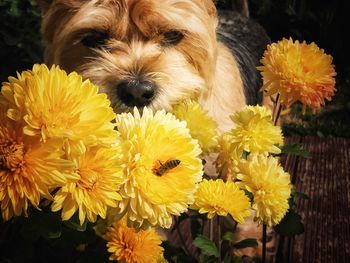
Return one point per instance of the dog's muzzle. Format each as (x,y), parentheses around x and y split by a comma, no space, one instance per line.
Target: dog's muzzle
(136,92)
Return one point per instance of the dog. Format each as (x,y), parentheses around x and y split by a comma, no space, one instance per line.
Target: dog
(156,53)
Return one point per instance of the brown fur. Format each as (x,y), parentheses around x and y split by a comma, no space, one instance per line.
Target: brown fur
(198,67)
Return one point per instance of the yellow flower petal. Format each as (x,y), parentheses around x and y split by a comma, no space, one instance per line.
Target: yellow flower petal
(298,72)
(270,186)
(221,198)
(56,105)
(29,168)
(255,132)
(131,246)
(100,176)
(162,167)
(202,127)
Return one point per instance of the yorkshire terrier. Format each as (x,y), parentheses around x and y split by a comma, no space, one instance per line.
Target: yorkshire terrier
(157,52)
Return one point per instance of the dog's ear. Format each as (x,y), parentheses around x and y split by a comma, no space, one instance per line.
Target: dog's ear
(210,7)
(44,5)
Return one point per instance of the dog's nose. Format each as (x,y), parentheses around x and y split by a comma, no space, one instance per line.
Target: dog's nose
(136,92)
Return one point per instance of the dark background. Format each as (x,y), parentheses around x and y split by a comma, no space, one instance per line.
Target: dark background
(324,22)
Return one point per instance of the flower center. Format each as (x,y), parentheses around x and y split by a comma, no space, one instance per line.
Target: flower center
(259,195)
(88,179)
(11,156)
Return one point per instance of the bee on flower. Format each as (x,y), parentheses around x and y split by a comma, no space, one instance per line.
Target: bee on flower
(162,167)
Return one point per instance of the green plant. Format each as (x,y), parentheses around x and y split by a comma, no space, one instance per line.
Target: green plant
(20,41)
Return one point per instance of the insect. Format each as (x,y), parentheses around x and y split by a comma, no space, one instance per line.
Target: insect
(164,167)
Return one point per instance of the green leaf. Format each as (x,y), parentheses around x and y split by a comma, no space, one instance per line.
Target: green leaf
(249,195)
(207,246)
(249,242)
(227,258)
(245,155)
(290,225)
(228,236)
(45,224)
(300,195)
(295,149)
(206,259)
(174,255)
(291,202)
(74,223)
(232,259)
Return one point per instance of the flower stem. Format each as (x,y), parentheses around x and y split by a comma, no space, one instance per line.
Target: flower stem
(219,237)
(276,110)
(275,104)
(264,244)
(211,229)
(278,114)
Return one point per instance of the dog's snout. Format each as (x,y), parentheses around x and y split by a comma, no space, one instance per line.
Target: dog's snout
(136,92)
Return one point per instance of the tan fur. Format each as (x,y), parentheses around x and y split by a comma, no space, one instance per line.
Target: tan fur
(198,67)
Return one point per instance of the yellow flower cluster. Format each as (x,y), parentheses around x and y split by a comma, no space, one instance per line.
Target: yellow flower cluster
(256,137)
(270,186)
(58,142)
(127,245)
(221,198)
(298,72)
(56,132)
(255,131)
(29,169)
(228,157)
(201,126)
(162,167)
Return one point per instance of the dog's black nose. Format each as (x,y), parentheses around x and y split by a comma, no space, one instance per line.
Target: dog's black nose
(136,92)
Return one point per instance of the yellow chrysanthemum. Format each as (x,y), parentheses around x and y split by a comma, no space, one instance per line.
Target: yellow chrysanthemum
(298,72)
(221,198)
(270,186)
(162,167)
(129,246)
(227,159)
(56,105)
(29,168)
(254,131)
(100,176)
(202,127)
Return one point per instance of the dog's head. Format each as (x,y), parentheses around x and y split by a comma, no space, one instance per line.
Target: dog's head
(140,52)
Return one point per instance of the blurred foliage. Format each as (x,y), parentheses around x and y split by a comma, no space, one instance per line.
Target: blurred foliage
(43,237)
(332,121)
(20,42)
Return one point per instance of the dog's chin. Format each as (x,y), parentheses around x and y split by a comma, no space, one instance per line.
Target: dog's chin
(120,107)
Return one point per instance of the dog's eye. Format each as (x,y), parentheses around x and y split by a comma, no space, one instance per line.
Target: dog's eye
(172,38)
(94,39)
